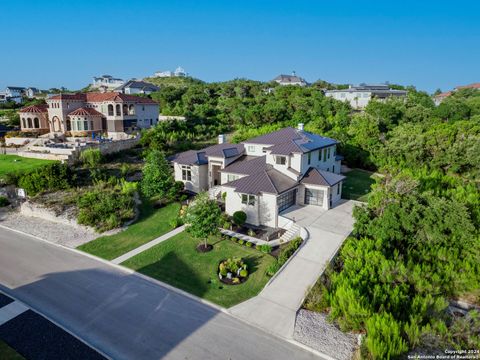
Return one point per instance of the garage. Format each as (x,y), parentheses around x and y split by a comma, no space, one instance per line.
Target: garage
(314,197)
(286,200)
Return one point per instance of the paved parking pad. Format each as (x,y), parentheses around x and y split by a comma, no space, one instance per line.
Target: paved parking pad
(36,338)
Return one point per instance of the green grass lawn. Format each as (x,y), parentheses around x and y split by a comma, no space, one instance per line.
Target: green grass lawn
(14,163)
(176,262)
(357,184)
(151,224)
(7,353)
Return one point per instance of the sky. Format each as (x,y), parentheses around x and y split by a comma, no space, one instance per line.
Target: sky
(428,44)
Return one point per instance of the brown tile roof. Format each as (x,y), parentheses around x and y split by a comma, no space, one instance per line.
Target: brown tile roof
(471,86)
(85,112)
(444,94)
(315,176)
(42,108)
(101,97)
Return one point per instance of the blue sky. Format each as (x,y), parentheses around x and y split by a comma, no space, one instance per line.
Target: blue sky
(429,44)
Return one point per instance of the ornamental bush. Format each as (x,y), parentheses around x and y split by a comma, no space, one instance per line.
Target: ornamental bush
(55,176)
(249,244)
(239,218)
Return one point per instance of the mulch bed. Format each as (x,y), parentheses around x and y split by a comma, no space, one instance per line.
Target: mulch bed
(203,249)
(228,281)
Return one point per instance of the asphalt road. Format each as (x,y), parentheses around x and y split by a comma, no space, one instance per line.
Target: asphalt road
(123,315)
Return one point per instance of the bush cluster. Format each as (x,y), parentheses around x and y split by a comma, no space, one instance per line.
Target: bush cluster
(55,176)
(284,255)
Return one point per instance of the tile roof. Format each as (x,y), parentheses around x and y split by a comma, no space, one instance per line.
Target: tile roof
(199,157)
(289,140)
(315,176)
(268,180)
(85,112)
(42,108)
(471,86)
(101,97)
(443,95)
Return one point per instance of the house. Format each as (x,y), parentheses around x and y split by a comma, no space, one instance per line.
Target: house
(359,96)
(265,175)
(12,93)
(106,82)
(290,80)
(113,113)
(31,92)
(179,72)
(437,99)
(470,86)
(137,87)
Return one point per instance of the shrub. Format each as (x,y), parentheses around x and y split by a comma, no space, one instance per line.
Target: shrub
(284,255)
(241,242)
(176,222)
(236,280)
(239,218)
(55,176)
(251,233)
(226,225)
(4,201)
(91,157)
(267,249)
(235,266)
(383,339)
(273,268)
(105,207)
(249,244)
(243,273)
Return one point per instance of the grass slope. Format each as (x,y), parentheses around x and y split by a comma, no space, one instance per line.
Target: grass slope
(176,262)
(151,224)
(14,163)
(7,353)
(357,185)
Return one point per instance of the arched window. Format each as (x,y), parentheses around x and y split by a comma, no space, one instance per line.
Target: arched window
(110,110)
(131,109)
(24,123)
(69,125)
(125,109)
(36,123)
(118,112)
(91,125)
(29,121)
(85,125)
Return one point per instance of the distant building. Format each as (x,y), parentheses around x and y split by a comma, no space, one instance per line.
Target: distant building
(471,86)
(179,72)
(437,99)
(359,96)
(83,113)
(290,80)
(137,87)
(12,93)
(107,82)
(32,92)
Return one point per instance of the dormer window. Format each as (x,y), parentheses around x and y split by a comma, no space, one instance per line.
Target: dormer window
(251,148)
(280,160)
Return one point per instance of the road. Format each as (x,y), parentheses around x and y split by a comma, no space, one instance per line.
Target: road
(123,315)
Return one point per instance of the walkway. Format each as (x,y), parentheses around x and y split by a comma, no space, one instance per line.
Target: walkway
(274,309)
(148,245)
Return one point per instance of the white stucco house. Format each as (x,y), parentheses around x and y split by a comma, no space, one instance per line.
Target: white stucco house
(106,82)
(293,79)
(359,96)
(179,72)
(137,87)
(266,175)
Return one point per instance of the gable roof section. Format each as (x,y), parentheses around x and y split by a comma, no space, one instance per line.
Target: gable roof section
(42,108)
(101,97)
(314,176)
(134,84)
(289,79)
(200,157)
(289,140)
(247,165)
(268,180)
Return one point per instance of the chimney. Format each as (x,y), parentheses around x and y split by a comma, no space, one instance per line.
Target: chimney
(221,138)
(300,126)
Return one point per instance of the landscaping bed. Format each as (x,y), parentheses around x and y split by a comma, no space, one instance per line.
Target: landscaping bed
(176,262)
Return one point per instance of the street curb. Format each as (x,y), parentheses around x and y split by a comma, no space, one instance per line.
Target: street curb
(4,290)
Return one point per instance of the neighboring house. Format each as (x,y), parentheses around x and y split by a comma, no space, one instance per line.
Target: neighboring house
(31,92)
(359,96)
(106,82)
(114,113)
(290,80)
(137,87)
(179,72)
(471,86)
(265,175)
(437,99)
(12,93)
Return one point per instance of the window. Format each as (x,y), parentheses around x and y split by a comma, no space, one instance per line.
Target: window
(24,123)
(110,110)
(29,122)
(319,155)
(91,124)
(338,188)
(280,160)
(36,123)
(333,169)
(186,173)
(118,110)
(286,200)
(328,152)
(309,157)
(334,151)
(251,148)
(231,177)
(85,125)
(324,155)
(248,199)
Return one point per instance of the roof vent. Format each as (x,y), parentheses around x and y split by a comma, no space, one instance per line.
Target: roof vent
(221,138)
(300,126)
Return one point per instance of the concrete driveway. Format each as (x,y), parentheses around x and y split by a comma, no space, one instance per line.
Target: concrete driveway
(275,308)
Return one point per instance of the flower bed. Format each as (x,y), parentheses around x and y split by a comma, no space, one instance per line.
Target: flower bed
(232,271)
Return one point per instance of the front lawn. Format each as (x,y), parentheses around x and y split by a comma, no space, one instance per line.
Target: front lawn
(357,185)
(15,163)
(7,353)
(151,224)
(176,262)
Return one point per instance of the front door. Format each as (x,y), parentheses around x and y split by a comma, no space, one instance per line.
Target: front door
(314,197)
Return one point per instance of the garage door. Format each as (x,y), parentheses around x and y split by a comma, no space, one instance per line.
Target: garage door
(314,197)
(286,200)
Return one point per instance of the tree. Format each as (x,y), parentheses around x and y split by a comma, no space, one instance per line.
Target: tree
(202,218)
(157,177)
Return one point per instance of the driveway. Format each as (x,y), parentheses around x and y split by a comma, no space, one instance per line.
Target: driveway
(275,308)
(123,315)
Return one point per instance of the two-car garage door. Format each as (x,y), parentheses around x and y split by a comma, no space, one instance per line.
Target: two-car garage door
(314,197)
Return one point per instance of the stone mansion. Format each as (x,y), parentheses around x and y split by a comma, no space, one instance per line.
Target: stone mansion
(79,114)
